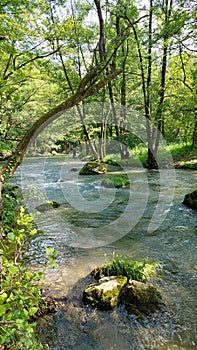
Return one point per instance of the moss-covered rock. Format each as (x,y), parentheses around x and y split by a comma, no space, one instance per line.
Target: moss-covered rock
(143,297)
(117,181)
(105,294)
(93,168)
(125,282)
(191,199)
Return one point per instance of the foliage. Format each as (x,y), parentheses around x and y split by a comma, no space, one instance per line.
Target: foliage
(52,254)
(20,296)
(124,266)
(19,301)
(49,46)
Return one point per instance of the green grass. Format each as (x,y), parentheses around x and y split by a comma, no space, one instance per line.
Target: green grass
(124,266)
(181,155)
(138,157)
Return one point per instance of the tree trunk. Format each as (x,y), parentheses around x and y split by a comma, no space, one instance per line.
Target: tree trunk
(151,161)
(81,113)
(159,115)
(194,136)
(102,54)
(85,90)
(153,149)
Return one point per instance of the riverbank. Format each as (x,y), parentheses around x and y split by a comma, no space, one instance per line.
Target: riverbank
(183,156)
(178,155)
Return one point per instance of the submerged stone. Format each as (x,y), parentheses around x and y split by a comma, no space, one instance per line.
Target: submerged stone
(105,294)
(93,168)
(47,206)
(117,181)
(191,199)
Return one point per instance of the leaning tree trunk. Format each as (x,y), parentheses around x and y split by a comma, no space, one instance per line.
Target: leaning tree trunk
(85,89)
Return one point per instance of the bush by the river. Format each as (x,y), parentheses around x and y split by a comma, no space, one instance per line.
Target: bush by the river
(21,299)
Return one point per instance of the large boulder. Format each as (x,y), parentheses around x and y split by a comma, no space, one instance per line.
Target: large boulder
(124,281)
(105,294)
(93,168)
(143,297)
(191,199)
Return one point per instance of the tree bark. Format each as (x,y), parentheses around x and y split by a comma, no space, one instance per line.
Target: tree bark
(102,54)
(151,159)
(159,115)
(194,135)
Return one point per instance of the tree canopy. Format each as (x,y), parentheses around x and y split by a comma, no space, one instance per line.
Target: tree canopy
(57,54)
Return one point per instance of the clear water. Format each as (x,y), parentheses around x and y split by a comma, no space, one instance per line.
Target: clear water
(90,226)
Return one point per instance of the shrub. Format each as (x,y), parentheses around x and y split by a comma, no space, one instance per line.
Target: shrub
(20,296)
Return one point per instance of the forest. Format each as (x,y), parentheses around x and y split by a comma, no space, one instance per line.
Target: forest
(137,56)
(103,80)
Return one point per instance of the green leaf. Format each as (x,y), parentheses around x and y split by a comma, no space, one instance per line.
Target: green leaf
(11,236)
(3,298)
(32,310)
(3,310)
(50,251)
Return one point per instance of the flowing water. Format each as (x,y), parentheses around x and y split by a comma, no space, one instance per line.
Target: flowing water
(94,223)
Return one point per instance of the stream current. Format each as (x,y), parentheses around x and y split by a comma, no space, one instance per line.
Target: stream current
(91,225)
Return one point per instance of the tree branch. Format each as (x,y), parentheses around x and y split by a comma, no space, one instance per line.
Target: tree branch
(183,69)
(31,60)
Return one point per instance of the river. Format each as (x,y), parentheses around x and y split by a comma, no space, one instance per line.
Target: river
(93,224)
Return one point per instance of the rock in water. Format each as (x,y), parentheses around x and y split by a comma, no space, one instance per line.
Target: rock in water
(105,294)
(93,168)
(47,206)
(141,296)
(191,199)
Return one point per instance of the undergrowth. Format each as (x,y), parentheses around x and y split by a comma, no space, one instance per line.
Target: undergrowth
(181,154)
(20,295)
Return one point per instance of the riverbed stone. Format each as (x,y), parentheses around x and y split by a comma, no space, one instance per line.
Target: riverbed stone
(105,294)
(191,199)
(47,206)
(93,168)
(141,297)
